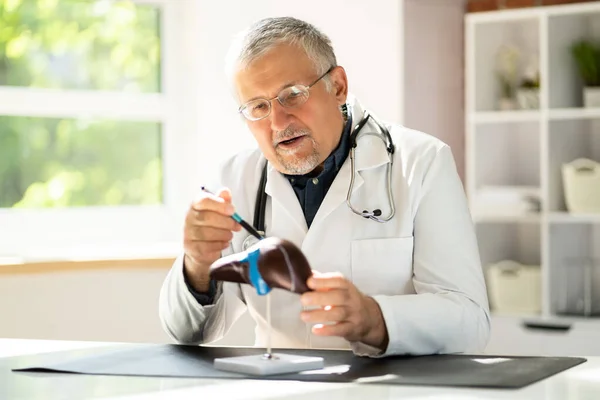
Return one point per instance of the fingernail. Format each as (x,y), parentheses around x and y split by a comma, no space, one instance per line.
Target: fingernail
(229,209)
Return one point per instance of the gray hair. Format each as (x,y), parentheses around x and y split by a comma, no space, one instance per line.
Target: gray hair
(267,33)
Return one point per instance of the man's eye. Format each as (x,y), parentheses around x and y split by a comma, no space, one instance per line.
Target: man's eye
(259,107)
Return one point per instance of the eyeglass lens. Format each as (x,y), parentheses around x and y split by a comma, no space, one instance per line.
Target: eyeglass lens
(292,96)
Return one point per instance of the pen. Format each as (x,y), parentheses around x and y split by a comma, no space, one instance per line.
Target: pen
(239,220)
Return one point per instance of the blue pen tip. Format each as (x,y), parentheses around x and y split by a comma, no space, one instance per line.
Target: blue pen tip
(236,217)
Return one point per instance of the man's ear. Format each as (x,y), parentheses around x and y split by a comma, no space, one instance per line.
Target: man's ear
(340,84)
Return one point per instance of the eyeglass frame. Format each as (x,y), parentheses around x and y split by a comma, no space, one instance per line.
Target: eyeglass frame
(307,88)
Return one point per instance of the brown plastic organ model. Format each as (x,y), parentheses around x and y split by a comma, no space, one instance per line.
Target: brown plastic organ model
(270,263)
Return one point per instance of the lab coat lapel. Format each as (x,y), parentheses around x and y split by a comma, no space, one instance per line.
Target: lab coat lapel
(338,191)
(369,153)
(370,150)
(286,210)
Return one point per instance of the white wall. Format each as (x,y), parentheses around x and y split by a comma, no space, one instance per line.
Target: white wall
(114,305)
(103,305)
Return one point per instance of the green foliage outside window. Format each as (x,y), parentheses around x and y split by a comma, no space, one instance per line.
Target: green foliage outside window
(79,45)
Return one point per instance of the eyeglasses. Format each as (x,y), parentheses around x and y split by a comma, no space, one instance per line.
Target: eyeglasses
(291,96)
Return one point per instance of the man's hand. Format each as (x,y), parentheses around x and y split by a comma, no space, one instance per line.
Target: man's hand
(343,311)
(208,230)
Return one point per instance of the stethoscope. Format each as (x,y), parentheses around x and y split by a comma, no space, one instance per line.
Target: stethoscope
(375,215)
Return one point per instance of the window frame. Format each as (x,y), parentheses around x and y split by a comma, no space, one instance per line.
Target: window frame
(58,233)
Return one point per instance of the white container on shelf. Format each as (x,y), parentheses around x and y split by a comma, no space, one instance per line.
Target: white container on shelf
(506,200)
(528,99)
(591,97)
(514,287)
(581,182)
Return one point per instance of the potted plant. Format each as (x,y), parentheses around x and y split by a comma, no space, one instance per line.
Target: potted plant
(587,57)
(506,71)
(528,92)
(507,93)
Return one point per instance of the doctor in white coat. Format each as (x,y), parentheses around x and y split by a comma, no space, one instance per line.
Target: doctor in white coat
(409,285)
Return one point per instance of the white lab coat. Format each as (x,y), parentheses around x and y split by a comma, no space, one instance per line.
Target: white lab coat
(422,267)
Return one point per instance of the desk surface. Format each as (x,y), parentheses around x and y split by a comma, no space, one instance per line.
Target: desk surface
(581,382)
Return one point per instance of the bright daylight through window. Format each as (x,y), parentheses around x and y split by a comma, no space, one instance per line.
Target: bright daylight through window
(73,159)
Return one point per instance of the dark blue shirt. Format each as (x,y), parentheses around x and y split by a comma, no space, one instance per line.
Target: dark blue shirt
(310,190)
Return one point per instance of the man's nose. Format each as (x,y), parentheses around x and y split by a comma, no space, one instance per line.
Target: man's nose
(280,117)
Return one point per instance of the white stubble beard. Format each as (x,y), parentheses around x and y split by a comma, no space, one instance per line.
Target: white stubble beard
(295,165)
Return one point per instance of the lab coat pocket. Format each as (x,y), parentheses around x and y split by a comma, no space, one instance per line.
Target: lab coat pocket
(383,266)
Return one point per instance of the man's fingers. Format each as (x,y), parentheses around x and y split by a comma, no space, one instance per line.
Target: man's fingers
(326,314)
(204,250)
(212,219)
(225,194)
(209,234)
(335,297)
(210,202)
(342,329)
(328,280)
(205,257)
(202,259)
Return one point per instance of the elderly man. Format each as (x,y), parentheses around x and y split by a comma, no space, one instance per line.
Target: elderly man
(399,268)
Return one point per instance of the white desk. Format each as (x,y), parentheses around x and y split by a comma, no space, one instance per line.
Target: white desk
(579,383)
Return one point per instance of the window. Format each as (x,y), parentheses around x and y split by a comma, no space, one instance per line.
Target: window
(52,162)
(91,142)
(80,44)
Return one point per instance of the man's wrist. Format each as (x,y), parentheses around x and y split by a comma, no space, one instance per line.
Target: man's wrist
(377,334)
(196,275)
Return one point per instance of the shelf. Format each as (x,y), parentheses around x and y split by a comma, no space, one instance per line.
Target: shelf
(490,45)
(556,114)
(499,16)
(559,217)
(516,14)
(529,148)
(507,154)
(508,240)
(565,87)
(568,319)
(568,218)
(496,117)
(514,315)
(574,276)
(573,113)
(518,218)
(568,140)
(565,320)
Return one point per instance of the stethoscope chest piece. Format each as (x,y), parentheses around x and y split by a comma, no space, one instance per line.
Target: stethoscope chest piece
(249,242)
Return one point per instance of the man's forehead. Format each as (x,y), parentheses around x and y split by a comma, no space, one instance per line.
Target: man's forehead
(271,73)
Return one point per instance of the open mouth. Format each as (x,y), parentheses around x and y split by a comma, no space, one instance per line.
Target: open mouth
(291,141)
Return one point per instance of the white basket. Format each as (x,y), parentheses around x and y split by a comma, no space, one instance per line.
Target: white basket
(581,180)
(514,287)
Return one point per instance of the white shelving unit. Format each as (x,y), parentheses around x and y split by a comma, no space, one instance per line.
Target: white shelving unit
(526,149)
